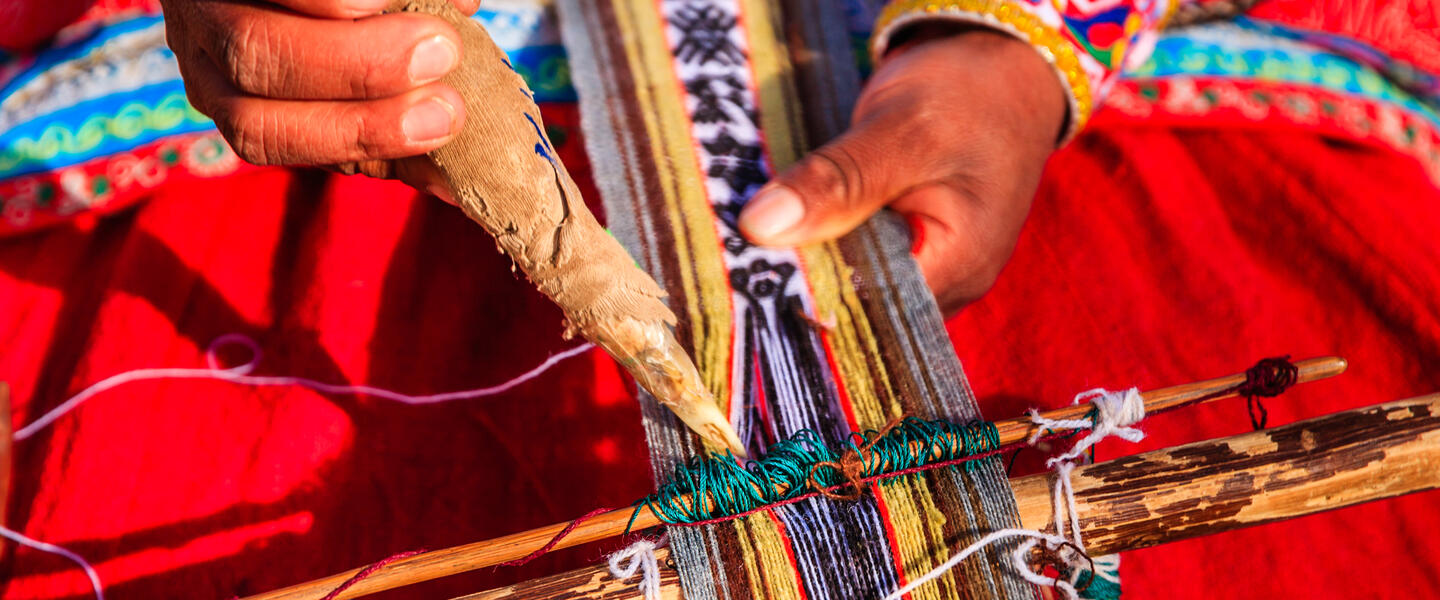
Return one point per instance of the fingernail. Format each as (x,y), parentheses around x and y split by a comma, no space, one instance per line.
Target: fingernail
(440,191)
(429,120)
(432,58)
(771,213)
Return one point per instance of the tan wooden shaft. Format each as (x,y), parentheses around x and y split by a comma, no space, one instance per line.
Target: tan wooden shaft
(1207,487)
(459,559)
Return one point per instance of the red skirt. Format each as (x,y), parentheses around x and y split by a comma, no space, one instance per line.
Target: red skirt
(1153,256)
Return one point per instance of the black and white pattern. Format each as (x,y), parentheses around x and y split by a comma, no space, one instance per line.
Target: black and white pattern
(781,378)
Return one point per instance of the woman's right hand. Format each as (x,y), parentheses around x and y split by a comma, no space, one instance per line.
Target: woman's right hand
(321,82)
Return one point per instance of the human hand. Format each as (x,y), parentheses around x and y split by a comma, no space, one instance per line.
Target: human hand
(322,82)
(952,132)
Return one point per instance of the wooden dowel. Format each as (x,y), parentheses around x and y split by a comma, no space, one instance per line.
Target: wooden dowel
(459,559)
(1207,487)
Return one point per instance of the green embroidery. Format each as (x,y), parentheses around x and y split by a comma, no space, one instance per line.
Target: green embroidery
(131,121)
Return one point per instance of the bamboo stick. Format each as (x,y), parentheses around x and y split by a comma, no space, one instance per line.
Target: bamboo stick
(1198,489)
(460,559)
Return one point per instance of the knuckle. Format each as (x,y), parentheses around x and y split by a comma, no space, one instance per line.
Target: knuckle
(367,80)
(240,51)
(249,135)
(846,181)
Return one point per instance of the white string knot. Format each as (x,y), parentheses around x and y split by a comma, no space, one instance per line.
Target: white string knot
(1115,415)
(641,555)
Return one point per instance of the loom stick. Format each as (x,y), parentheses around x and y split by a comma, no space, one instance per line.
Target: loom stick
(506,176)
(1312,466)
(477,555)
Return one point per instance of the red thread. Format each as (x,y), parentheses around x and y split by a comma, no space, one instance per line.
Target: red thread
(366,572)
(872,478)
(556,540)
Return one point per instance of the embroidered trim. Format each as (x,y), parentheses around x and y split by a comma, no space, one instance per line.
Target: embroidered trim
(1220,101)
(109,183)
(99,134)
(1008,17)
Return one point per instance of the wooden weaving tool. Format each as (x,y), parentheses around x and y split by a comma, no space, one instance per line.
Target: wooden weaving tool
(1321,464)
(505,175)
(450,561)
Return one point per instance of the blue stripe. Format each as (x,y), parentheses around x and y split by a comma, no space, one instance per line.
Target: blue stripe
(97,128)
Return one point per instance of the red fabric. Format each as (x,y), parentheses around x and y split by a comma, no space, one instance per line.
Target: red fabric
(1153,257)
(1157,256)
(1405,29)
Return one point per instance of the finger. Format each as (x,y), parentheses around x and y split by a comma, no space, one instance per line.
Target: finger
(959,240)
(290,132)
(418,172)
(837,187)
(351,9)
(279,54)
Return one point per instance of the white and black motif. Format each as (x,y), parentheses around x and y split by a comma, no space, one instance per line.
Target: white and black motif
(781,378)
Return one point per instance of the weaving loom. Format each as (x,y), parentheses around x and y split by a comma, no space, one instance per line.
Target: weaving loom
(690,107)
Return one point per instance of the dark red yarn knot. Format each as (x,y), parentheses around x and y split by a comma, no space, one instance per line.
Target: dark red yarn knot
(1267,379)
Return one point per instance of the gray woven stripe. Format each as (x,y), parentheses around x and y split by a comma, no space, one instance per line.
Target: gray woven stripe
(880,250)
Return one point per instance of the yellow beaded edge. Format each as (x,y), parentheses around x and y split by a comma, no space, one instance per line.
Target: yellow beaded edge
(1169,14)
(1007,17)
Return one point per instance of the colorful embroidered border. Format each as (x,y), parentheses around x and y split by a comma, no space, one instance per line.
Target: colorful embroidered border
(1227,74)
(834,338)
(106,99)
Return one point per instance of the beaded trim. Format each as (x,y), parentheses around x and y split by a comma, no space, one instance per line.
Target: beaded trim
(1005,16)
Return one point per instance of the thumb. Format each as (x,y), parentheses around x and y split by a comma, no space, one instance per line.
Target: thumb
(831,191)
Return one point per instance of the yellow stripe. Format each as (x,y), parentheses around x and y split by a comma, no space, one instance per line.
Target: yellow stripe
(766,560)
(702,271)
(918,523)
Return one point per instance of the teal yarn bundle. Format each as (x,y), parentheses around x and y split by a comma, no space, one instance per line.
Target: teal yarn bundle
(720,487)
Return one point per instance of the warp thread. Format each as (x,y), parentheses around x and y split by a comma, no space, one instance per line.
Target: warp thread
(1113,414)
(23,540)
(240,374)
(641,555)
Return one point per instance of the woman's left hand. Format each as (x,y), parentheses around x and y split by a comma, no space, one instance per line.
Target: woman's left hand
(952,132)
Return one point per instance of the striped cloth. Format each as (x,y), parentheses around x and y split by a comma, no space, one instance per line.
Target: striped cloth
(688,108)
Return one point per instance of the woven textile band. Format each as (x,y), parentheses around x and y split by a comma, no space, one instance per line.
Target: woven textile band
(688,108)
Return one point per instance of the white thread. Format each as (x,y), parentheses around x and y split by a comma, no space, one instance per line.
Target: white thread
(21,539)
(1108,567)
(1115,412)
(641,555)
(240,374)
(977,545)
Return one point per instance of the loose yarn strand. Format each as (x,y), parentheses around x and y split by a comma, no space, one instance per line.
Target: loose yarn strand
(641,555)
(974,547)
(1114,414)
(240,375)
(80,561)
